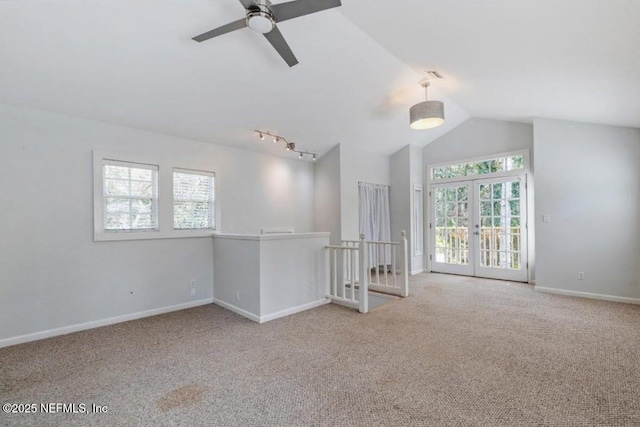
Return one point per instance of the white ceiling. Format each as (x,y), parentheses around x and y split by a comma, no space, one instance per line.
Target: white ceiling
(518,59)
(132,62)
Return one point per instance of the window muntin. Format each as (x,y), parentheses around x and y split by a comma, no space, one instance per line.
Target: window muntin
(484,167)
(500,225)
(452,224)
(130,196)
(193,200)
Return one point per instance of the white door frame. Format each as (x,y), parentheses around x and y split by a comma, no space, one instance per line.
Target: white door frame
(526,214)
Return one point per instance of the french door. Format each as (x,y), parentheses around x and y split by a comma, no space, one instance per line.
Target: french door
(478,228)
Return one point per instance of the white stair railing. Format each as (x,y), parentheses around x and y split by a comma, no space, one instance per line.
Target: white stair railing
(385,274)
(346,265)
(357,266)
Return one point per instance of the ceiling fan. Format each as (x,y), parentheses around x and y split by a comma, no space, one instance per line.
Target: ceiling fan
(262,17)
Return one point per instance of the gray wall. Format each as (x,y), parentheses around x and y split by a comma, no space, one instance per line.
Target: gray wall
(400,195)
(478,137)
(237,266)
(588,181)
(406,171)
(337,175)
(53,275)
(287,269)
(327,194)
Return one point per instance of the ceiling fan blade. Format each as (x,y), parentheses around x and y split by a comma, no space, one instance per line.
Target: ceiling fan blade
(236,25)
(280,44)
(248,4)
(294,9)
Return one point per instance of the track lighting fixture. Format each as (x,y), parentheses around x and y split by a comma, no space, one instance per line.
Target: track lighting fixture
(290,146)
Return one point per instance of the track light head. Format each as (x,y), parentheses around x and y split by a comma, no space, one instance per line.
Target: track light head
(290,146)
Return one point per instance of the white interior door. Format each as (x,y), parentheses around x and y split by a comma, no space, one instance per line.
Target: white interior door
(478,228)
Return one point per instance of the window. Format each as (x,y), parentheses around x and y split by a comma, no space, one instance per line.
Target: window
(140,196)
(193,200)
(418,221)
(490,166)
(130,196)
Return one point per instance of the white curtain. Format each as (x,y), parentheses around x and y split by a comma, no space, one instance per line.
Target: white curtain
(375,221)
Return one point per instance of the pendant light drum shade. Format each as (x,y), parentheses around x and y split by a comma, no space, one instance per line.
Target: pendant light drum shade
(427,115)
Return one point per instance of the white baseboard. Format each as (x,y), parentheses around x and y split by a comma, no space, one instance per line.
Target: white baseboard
(272,316)
(414,272)
(99,323)
(589,295)
(237,310)
(294,310)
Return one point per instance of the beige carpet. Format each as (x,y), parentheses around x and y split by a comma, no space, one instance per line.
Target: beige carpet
(457,352)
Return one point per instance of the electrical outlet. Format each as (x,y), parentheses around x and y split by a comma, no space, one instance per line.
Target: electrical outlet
(193,283)
(312,284)
(580,275)
(546,219)
(237,295)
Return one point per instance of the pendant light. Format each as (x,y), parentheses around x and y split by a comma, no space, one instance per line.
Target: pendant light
(427,114)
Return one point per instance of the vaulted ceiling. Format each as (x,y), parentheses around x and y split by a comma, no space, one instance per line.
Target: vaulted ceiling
(514,60)
(132,62)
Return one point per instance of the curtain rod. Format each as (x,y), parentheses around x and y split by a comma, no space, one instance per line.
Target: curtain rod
(371,183)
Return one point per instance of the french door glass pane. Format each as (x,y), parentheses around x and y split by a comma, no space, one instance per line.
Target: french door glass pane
(452,225)
(500,232)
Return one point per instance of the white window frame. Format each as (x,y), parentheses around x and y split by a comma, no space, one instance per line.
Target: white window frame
(154,169)
(213,198)
(418,220)
(514,172)
(166,165)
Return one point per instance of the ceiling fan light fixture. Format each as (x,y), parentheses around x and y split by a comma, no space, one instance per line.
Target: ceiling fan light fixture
(426,114)
(263,17)
(260,21)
